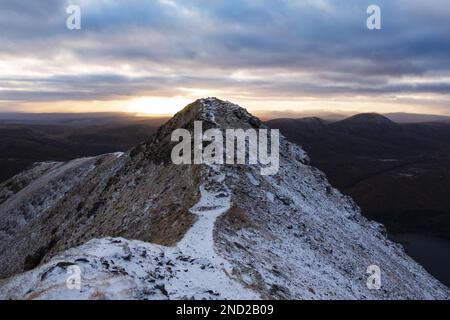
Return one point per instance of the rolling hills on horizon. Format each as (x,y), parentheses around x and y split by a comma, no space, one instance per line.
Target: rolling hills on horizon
(29,138)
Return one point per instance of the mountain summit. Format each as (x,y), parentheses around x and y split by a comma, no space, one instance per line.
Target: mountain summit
(374,118)
(137,226)
(365,121)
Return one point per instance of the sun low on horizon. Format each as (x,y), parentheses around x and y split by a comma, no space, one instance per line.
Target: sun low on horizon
(296,56)
(158,106)
(150,106)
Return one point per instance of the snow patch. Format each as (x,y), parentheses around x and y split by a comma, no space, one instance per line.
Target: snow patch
(199,241)
(118,154)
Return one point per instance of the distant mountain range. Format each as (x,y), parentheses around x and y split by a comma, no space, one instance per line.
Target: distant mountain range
(97,118)
(29,138)
(399,117)
(403,117)
(398,173)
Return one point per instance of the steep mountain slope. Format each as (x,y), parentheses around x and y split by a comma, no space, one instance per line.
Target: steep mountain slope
(397,173)
(221,231)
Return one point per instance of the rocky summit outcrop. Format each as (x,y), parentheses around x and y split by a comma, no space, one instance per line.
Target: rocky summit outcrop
(140,227)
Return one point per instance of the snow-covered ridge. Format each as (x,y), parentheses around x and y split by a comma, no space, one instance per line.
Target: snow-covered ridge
(198,242)
(116,268)
(228,232)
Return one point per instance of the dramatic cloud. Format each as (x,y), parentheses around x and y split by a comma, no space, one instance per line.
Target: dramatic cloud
(307,53)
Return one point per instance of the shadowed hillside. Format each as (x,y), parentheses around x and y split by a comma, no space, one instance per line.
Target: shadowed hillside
(398,173)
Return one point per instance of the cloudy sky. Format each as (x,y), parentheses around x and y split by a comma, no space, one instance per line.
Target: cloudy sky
(154,56)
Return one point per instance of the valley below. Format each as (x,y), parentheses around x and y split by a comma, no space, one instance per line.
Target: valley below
(432,252)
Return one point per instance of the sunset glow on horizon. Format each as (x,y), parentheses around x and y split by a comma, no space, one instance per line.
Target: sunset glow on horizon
(296,55)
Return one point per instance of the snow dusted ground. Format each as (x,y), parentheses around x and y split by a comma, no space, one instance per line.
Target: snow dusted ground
(199,242)
(43,193)
(303,239)
(116,268)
